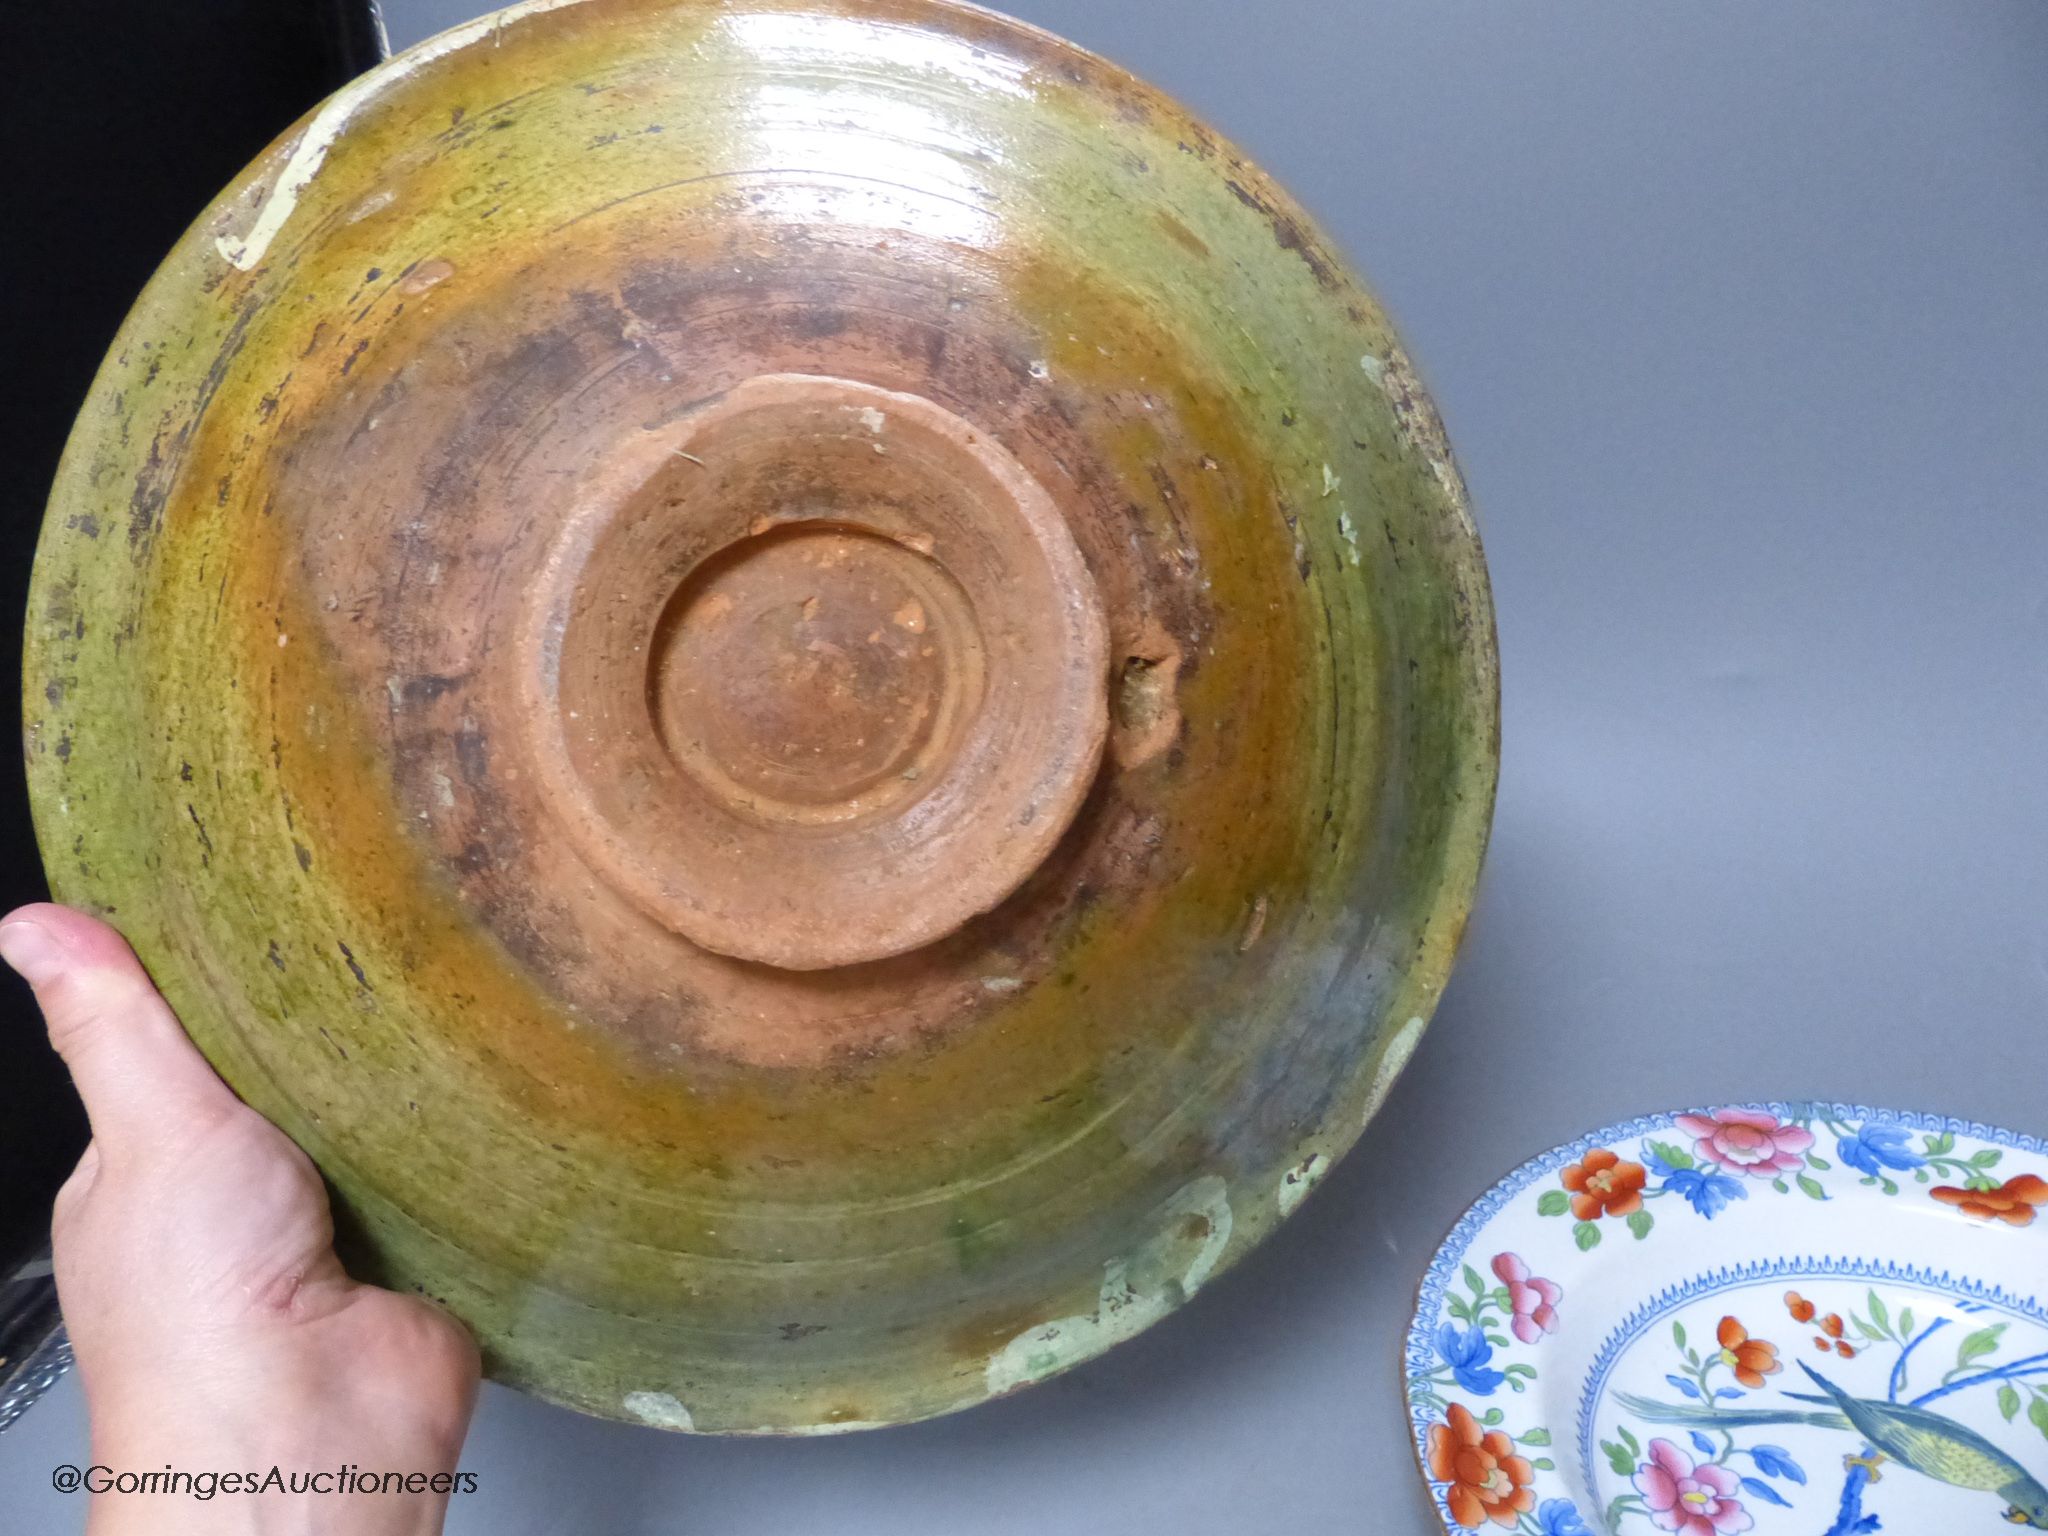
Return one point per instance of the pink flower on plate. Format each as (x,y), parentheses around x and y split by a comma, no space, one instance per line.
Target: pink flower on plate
(1747,1141)
(1693,1501)
(1533,1299)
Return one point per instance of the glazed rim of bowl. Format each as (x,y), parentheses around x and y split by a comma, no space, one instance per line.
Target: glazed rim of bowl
(285,728)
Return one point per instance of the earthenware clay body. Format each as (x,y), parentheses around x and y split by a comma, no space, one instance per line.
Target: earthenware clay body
(807,688)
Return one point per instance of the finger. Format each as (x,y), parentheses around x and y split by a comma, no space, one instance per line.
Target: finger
(140,1076)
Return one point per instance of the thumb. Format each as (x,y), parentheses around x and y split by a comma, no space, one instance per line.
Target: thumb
(140,1076)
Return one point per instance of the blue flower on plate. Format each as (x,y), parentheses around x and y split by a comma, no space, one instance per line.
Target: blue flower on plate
(1706,1190)
(1466,1352)
(1875,1148)
(1560,1517)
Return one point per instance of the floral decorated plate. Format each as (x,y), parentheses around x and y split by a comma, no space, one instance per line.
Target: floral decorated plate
(1793,1319)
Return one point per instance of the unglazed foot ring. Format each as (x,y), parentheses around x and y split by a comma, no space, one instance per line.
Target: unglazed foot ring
(815,672)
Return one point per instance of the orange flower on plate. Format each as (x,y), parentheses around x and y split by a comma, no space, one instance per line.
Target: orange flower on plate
(1751,1359)
(1831,1325)
(1603,1185)
(1800,1308)
(2013,1202)
(1488,1480)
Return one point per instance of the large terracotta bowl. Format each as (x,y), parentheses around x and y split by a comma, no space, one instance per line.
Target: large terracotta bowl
(803,683)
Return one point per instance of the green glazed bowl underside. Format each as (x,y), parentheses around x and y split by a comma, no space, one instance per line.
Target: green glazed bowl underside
(1135,1074)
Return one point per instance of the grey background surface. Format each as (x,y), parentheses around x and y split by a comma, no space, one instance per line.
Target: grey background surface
(1738,315)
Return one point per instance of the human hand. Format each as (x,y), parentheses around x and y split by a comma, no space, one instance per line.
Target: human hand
(213,1326)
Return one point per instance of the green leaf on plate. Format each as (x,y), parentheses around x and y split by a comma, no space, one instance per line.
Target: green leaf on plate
(1552,1202)
(1618,1457)
(1640,1222)
(1586,1235)
(1678,1334)
(1670,1156)
(1879,1313)
(1541,1436)
(2037,1414)
(1809,1185)
(1979,1344)
(2008,1401)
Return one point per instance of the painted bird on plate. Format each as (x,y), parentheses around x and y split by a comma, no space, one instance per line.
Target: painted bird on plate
(1927,1442)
